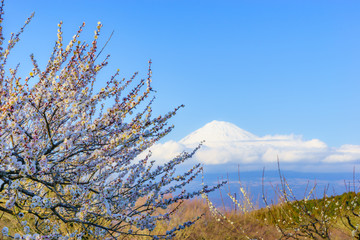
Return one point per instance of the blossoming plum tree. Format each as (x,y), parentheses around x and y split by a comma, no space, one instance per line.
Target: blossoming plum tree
(69,167)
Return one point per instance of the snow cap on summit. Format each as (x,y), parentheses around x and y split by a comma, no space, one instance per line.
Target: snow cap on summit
(218,131)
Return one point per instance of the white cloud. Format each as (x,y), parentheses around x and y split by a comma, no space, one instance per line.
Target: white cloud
(346,153)
(227,144)
(163,152)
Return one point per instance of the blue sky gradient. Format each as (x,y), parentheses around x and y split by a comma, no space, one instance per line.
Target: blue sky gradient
(270,67)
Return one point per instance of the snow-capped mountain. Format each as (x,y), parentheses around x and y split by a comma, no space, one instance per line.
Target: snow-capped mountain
(218,131)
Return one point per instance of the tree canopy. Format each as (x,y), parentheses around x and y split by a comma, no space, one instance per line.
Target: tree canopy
(69,167)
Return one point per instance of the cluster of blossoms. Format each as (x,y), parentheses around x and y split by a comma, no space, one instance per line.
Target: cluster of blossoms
(69,166)
(26,230)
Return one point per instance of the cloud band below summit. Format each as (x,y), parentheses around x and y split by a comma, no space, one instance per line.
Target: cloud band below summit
(225,143)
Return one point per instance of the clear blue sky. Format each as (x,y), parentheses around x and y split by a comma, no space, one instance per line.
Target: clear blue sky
(270,67)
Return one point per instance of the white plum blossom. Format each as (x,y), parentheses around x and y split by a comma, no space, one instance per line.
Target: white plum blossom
(27,229)
(10,203)
(5,231)
(70,164)
(17,236)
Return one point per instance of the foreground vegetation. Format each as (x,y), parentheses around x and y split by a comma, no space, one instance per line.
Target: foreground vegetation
(330,218)
(326,217)
(286,217)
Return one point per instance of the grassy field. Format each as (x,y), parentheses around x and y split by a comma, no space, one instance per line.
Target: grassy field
(329,218)
(312,217)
